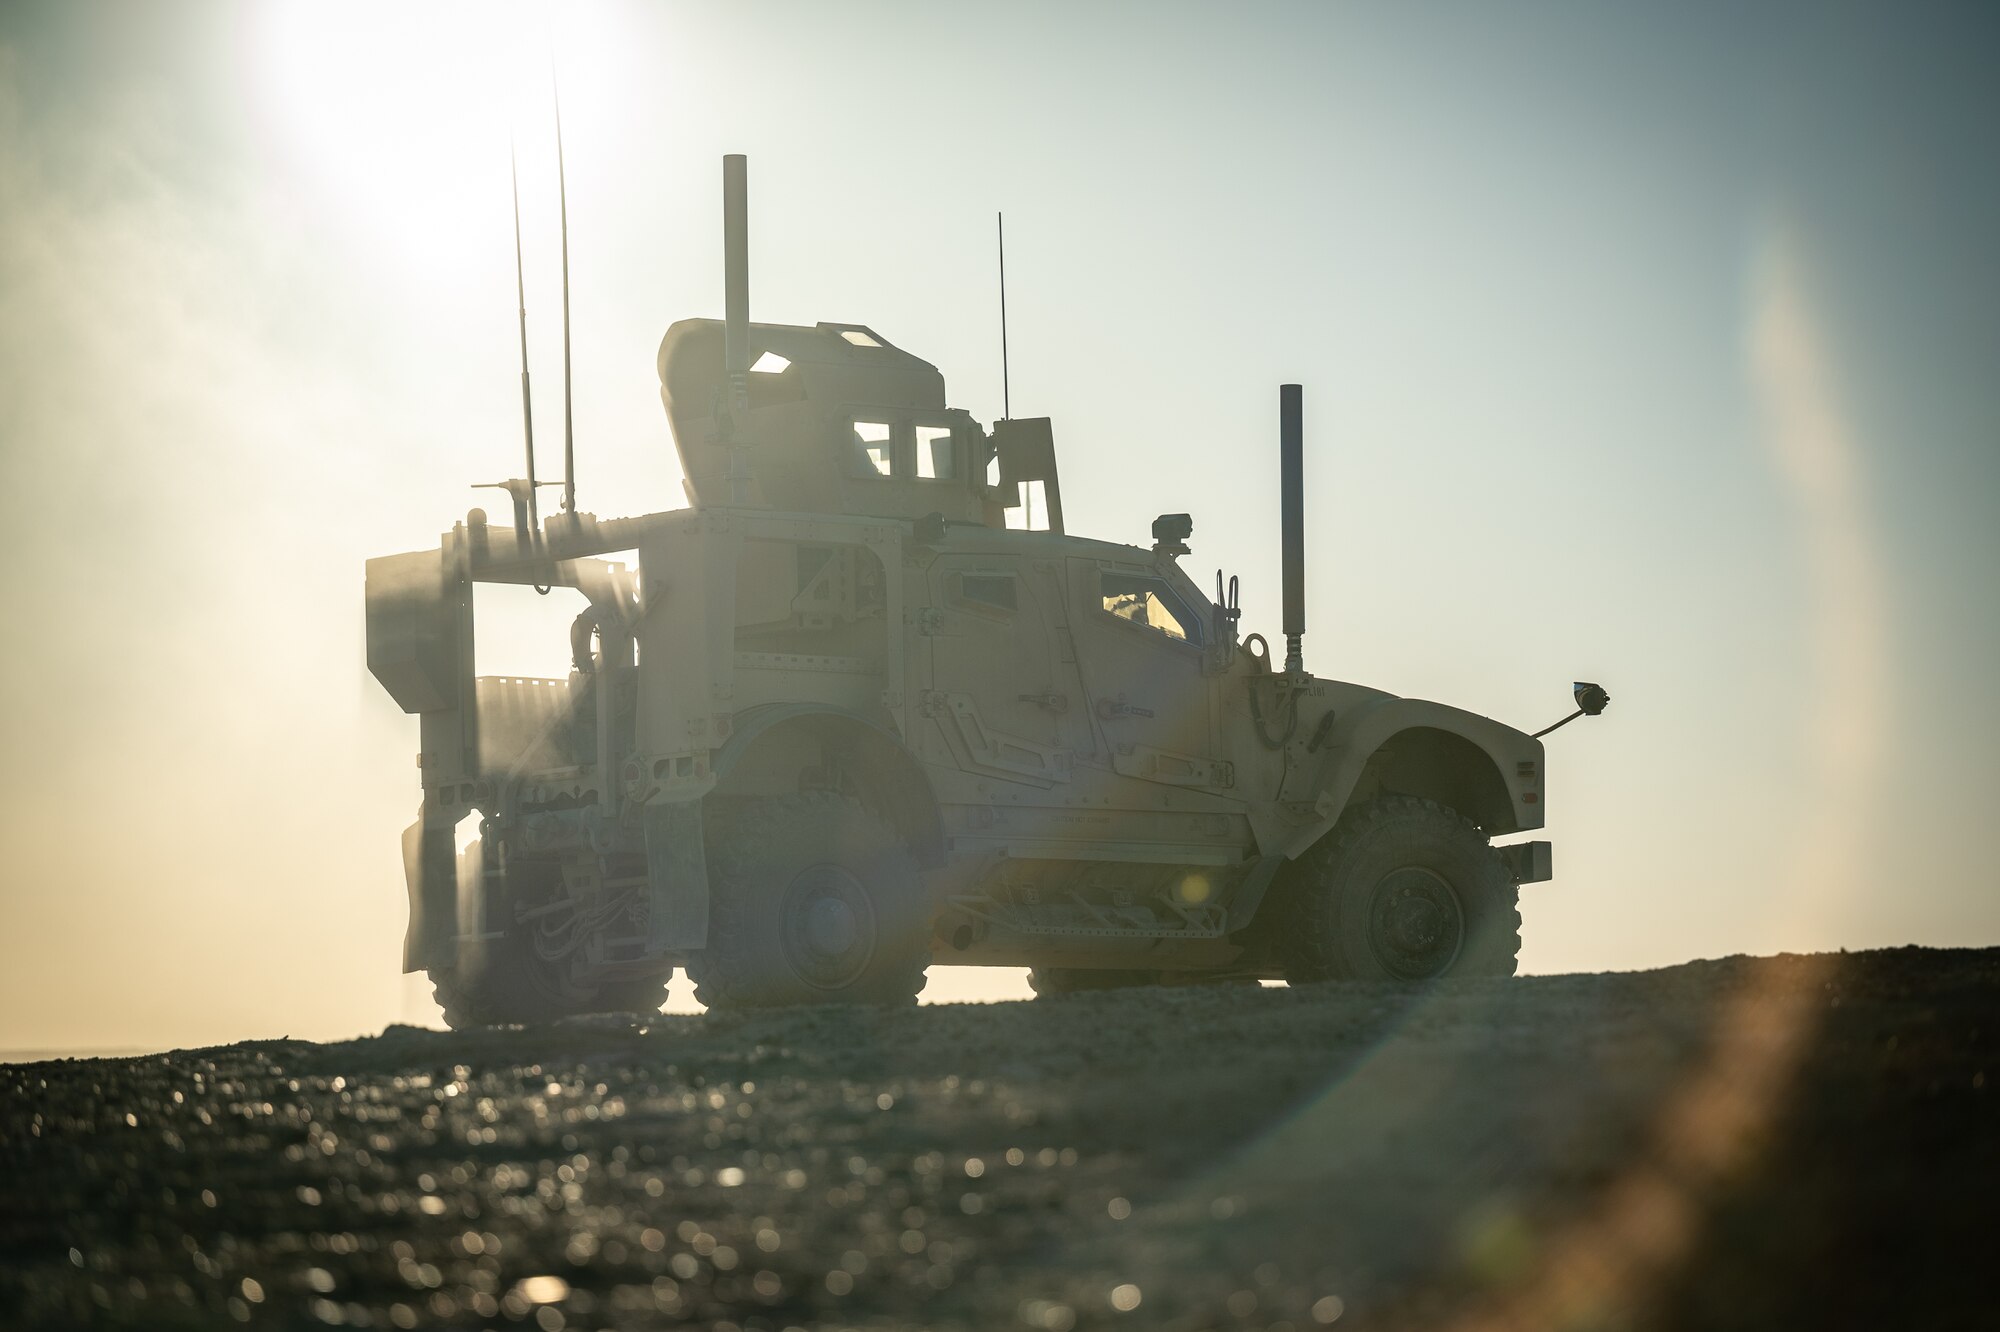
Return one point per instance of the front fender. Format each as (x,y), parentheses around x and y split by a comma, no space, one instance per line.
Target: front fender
(1485,769)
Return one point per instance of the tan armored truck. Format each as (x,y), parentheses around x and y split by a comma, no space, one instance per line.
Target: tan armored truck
(843,723)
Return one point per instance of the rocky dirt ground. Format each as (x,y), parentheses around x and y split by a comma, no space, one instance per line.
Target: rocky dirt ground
(1767,1143)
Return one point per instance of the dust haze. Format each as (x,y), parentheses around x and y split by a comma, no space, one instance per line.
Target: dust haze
(1653,348)
(234,372)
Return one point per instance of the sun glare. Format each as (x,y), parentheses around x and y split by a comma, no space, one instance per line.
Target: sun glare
(404,121)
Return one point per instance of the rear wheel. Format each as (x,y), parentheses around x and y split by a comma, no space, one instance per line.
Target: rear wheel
(511,985)
(815,900)
(1402,889)
(513,979)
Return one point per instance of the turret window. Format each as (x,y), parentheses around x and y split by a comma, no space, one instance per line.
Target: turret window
(903,449)
(934,454)
(874,442)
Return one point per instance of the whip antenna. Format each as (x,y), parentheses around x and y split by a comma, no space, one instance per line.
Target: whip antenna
(569,425)
(521,292)
(1006,403)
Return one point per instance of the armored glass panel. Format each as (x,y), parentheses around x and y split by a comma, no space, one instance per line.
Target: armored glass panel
(992,589)
(934,453)
(876,452)
(1149,602)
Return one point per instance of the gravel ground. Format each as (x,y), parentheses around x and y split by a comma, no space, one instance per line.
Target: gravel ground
(1758,1143)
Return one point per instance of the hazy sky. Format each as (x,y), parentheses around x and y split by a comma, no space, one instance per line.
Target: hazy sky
(1652,345)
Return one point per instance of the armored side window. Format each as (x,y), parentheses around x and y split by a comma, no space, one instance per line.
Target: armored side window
(935,457)
(1150,602)
(875,452)
(989,589)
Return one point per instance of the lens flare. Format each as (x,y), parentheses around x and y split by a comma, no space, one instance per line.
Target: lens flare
(1615,1249)
(1646,1221)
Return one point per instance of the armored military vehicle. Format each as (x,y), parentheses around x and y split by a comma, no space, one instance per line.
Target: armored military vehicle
(844,722)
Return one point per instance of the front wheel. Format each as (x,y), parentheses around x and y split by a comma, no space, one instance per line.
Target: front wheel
(1402,889)
(815,900)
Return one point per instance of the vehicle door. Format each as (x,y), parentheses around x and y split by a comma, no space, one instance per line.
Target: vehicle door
(1140,640)
(1005,689)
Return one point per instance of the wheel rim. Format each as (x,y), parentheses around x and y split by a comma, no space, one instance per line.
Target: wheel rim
(1416,924)
(828,927)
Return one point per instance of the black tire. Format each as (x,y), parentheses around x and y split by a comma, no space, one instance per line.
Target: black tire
(1047,981)
(814,899)
(506,982)
(512,986)
(1401,889)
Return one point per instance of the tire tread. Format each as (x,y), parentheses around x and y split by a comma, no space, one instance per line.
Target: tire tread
(1309,946)
(736,836)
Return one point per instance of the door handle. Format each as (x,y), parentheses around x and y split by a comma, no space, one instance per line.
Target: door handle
(1055,703)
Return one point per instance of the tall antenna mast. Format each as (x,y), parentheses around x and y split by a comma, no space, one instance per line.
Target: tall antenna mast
(1006,396)
(527,407)
(569,424)
(736,314)
(1006,403)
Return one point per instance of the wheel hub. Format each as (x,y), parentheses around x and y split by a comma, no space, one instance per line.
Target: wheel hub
(828,927)
(1416,924)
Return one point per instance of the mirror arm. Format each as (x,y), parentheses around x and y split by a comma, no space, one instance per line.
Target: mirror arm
(1559,725)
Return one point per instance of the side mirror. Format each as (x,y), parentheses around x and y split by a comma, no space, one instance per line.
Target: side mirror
(1591,699)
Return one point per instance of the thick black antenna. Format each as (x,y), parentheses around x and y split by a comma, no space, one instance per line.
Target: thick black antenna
(569,425)
(1006,403)
(527,406)
(1292,521)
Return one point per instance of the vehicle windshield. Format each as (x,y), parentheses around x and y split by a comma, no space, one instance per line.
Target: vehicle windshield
(1150,602)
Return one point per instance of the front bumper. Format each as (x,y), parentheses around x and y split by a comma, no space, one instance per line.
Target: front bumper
(1528,862)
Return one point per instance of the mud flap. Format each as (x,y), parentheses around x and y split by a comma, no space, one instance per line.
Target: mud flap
(430,872)
(677,879)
